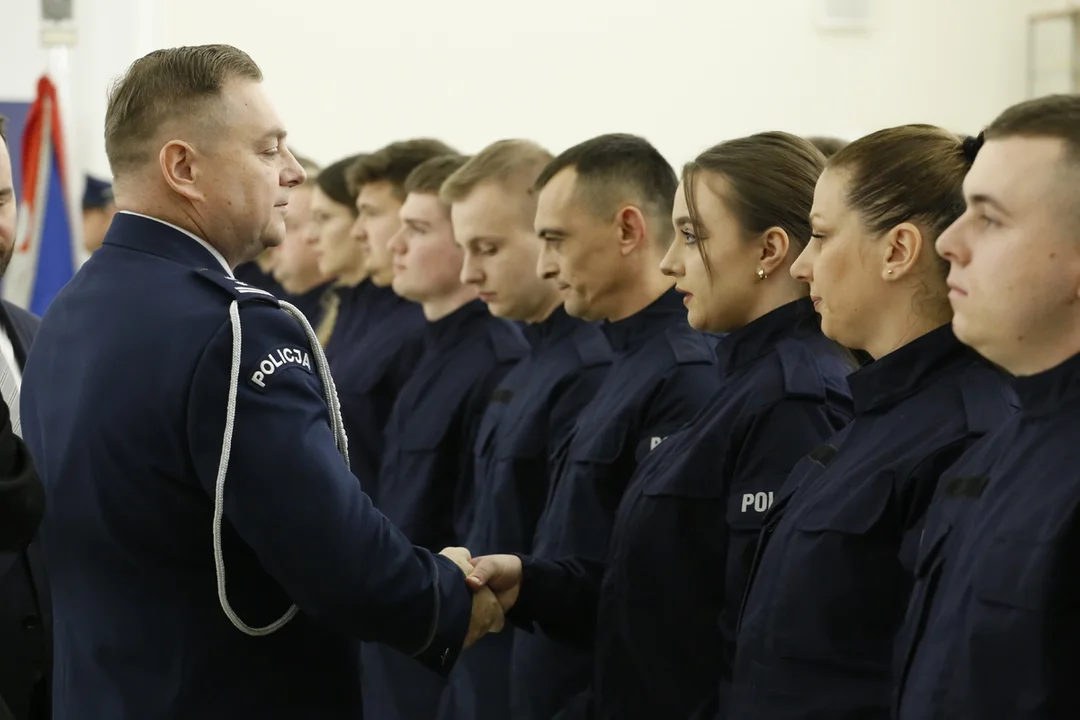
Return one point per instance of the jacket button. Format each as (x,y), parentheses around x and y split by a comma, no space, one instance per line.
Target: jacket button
(31,622)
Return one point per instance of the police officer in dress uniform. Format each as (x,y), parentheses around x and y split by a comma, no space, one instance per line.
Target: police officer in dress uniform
(425,483)
(604,214)
(534,408)
(695,503)
(993,626)
(834,568)
(25,620)
(213,556)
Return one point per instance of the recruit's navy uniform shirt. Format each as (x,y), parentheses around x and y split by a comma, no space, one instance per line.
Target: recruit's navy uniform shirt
(425,485)
(531,413)
(373,351)
(993,627)
(311,303)
(693,509)
(663,372)
(835,566)
(126,420)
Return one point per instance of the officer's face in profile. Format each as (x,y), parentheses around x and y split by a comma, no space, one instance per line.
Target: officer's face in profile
(7,209)
(580,250)
(241,173)
(337,253)
(721,288)
(377,221)
(1014,255)
(843,265)
(494,227)
(295,262)
(427,261)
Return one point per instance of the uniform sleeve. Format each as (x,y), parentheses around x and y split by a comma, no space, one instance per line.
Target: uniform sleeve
(561,596)
(22,497)
(774,441)
(291,498)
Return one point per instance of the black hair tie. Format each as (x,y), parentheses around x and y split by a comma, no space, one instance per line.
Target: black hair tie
(972,145)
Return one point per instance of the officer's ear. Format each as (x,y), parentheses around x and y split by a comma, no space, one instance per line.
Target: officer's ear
(177,160)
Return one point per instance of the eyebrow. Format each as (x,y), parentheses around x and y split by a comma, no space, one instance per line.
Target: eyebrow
(6,193)
(274,134)
(983,199)
(684,220)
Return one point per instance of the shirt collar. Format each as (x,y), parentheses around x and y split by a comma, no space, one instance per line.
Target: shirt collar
(907,370)
(1051,389)
(794,319)
(209,248)
(631,333)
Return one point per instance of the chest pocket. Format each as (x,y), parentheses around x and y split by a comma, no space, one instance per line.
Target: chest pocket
(1026,573)
(675,470)
(843,589)
(429,424)
(600,448)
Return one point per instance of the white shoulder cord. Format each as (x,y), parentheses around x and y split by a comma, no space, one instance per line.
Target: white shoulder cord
(337,426)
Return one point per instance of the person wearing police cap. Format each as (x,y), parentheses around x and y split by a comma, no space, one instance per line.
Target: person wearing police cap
(211,554)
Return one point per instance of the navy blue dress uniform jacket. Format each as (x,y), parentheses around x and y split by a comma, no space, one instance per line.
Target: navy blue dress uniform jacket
(661,609)
(835,565)
(663,372)
(530,415)
(124,406)
(993,626)
(425,485)
(376,344)
(25,613)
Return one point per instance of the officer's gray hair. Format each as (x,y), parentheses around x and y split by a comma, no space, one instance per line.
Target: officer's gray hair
(166,84)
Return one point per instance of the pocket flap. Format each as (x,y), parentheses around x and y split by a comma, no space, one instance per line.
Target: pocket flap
(854,512)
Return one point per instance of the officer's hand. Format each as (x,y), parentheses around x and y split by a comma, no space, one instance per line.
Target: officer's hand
(487,616)
(500,573)
(461,556)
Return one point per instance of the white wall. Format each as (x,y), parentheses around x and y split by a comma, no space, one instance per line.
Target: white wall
(350,75)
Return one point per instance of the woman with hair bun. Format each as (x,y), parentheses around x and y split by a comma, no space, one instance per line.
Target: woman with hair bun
(835,566)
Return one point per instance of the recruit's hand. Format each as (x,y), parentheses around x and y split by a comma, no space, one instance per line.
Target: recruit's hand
(487,613)
(500,573)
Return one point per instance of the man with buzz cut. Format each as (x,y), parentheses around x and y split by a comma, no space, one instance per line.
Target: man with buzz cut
(534,408)
(210,554)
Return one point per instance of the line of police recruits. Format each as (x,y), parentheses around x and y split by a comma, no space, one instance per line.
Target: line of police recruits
(629,394)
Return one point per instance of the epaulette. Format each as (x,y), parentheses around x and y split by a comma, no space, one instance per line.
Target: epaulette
(240,291)
(592,346)
(802,370)
(689,346)
(987,395)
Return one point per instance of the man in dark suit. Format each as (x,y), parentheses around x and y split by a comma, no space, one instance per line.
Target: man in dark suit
(24,603)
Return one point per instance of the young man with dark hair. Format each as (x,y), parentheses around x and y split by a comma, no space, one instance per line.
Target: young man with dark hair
(993,627)
(425,483)
(533,411)
(604,216)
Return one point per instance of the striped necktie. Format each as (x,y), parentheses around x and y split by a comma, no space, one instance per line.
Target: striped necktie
(9,387)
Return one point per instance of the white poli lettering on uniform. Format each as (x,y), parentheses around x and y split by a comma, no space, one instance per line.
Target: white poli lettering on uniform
(759,501)
(279,358)
(654,442)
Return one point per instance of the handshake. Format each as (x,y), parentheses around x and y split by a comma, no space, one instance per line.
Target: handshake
(495,581)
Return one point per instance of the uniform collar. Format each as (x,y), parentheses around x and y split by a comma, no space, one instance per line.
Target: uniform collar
(129,233)
(631,333)
(547,332)
(1047,391)
(905,371)
(750,342)
(446,331)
